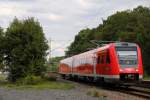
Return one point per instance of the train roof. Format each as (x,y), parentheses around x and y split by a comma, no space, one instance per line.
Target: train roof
(102,48)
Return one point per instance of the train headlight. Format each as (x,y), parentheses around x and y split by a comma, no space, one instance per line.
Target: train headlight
(136,70)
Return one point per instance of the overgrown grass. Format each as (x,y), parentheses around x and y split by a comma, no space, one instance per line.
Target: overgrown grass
(40,86)
(43,84)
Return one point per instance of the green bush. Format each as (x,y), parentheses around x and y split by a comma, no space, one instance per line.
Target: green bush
(30,80)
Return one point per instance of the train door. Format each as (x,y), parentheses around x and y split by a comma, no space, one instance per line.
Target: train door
(72,72)
(103,63)
(94,64)
(107,68)
(100,62)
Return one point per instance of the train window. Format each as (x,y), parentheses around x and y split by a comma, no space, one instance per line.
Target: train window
(107,57)
(98,59)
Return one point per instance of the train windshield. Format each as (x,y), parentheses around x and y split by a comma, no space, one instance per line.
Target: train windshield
(127,56)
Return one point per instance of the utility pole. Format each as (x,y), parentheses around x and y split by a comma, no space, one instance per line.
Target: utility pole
(50,42)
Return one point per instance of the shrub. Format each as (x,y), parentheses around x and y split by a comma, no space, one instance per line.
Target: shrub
(50,76)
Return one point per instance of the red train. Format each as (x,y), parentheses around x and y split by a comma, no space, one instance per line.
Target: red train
(114,62)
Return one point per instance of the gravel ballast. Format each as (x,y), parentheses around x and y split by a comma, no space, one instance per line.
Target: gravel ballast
(73,94)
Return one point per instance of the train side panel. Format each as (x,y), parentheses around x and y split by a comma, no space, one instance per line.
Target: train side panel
(83,64)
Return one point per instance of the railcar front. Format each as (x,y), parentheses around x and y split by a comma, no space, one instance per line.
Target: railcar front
(129,61)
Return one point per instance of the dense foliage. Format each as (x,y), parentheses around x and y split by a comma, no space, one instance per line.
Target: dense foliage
(130,26)
(24,49)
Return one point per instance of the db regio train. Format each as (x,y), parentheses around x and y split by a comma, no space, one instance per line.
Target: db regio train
(118,62)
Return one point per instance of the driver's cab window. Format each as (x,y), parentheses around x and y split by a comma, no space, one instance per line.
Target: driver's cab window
(98,59)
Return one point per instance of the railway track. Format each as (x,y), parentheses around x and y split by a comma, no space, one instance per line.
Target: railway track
(146,81)
(138,91)
(133,90)
(141,92)
(144,84)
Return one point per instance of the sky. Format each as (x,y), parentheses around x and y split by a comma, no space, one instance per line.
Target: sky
(63,19)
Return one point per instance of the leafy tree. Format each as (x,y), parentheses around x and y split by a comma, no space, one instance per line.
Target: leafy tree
(2,40)
(25,49)
(83,37)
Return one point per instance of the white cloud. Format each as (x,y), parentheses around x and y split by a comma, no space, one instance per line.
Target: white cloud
(84,3)
(10,11)
(55,17)
(6,11)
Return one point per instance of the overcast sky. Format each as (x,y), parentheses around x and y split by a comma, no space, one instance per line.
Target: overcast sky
(63,19)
